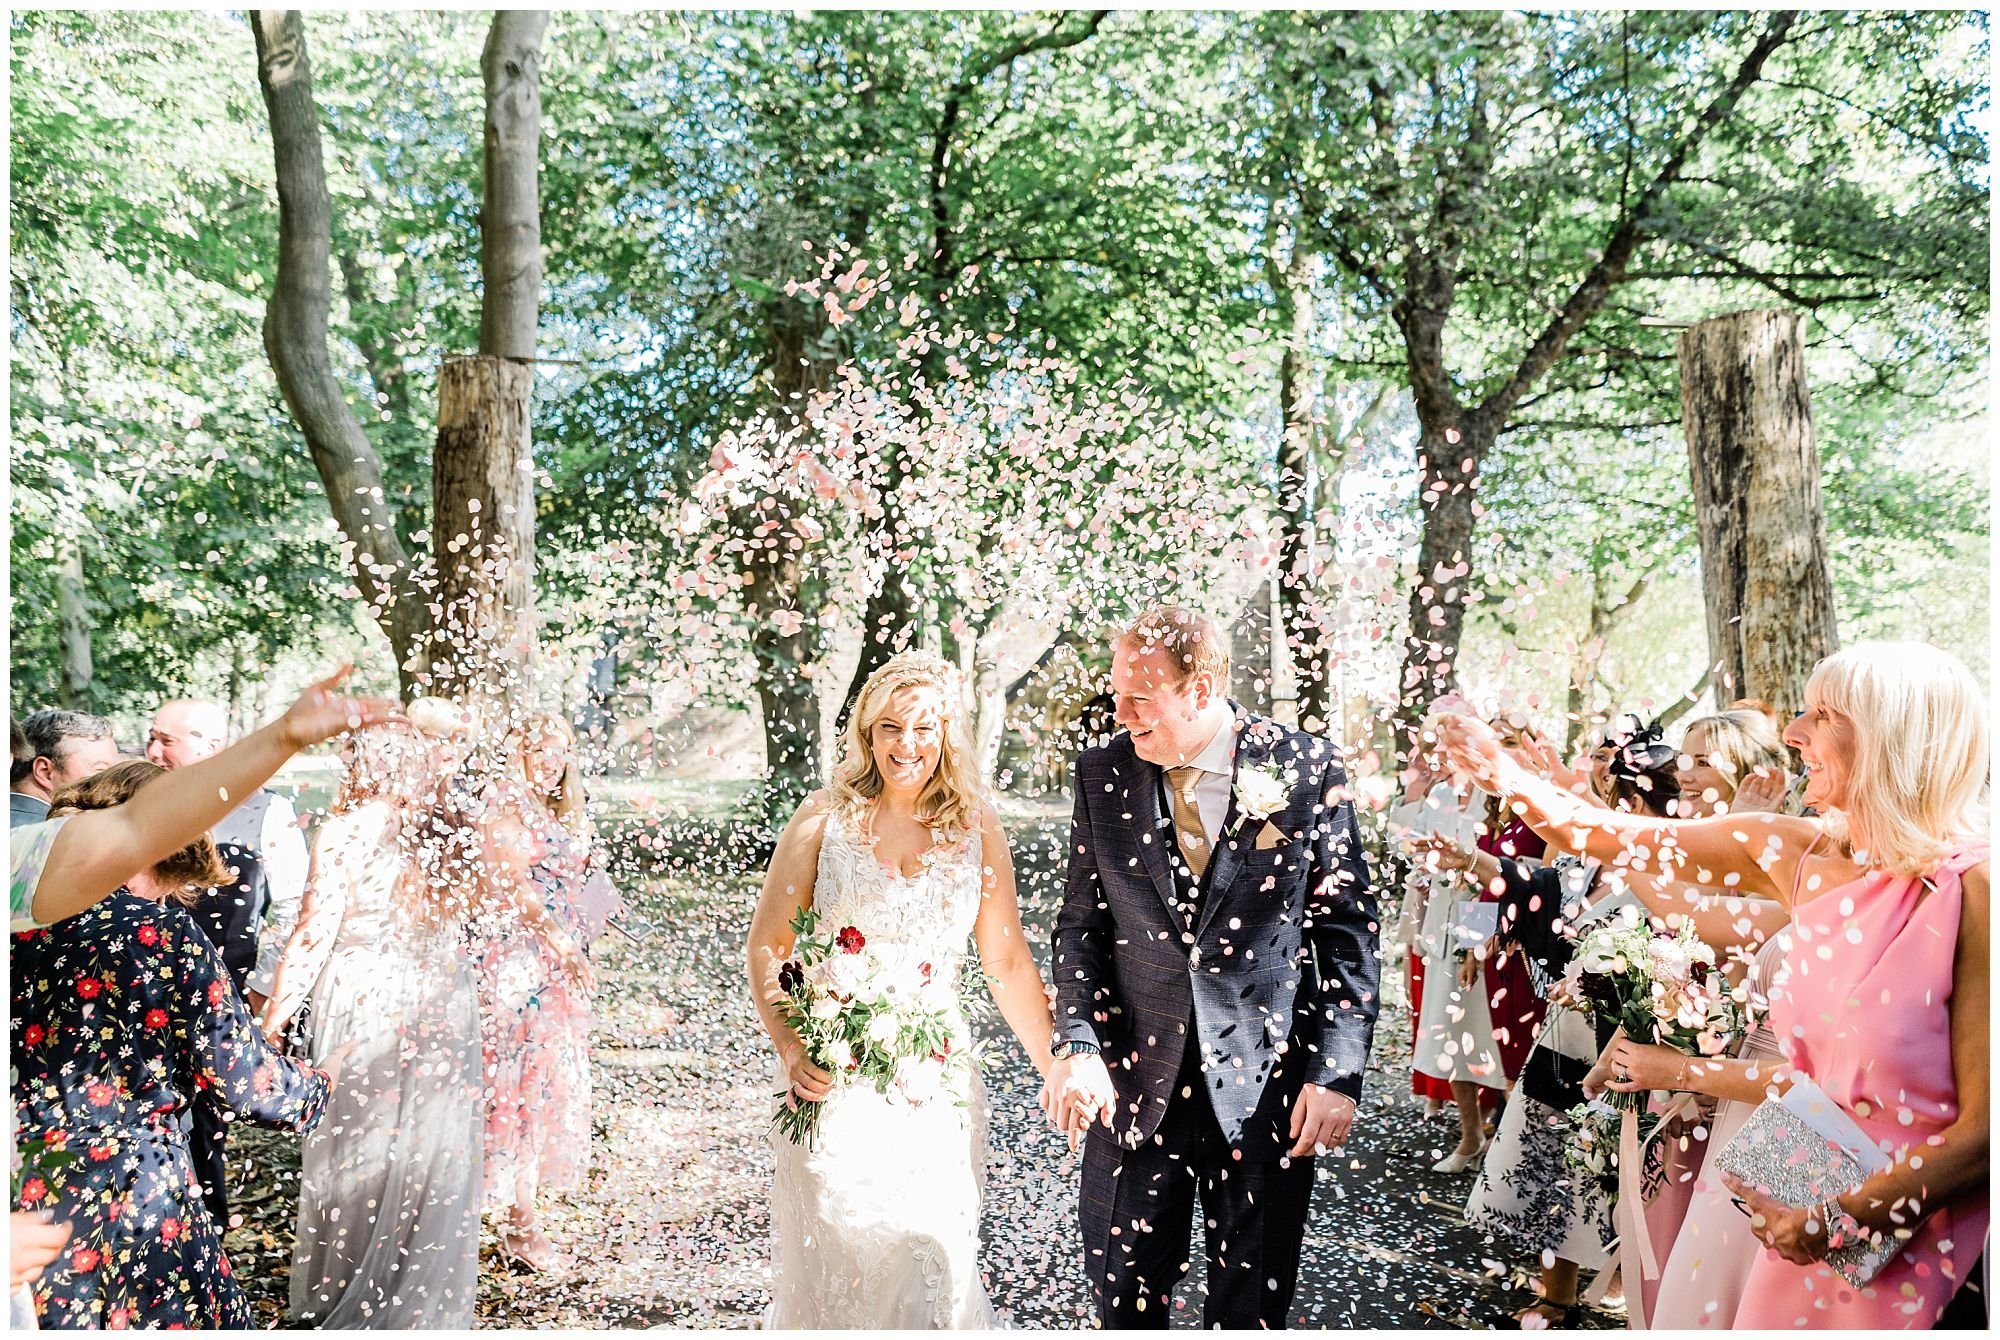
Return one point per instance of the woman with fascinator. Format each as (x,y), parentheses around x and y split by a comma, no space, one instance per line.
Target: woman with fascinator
(1526,1191)
(875,1220)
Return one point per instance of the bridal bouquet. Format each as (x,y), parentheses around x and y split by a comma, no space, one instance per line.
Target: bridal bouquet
(1661,988)
(863,1018)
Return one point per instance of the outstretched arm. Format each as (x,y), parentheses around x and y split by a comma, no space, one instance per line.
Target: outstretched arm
(1753,854)
(98,850)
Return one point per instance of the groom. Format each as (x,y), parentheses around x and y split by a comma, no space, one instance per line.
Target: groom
(1216,972)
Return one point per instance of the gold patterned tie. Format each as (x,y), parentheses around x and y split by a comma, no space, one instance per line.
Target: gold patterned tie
(1188,827)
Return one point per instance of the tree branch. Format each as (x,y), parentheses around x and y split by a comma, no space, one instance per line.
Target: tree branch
(1589,295)
(295,337)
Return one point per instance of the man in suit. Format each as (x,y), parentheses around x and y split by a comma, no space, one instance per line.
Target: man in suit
(60,747)
(1216,974)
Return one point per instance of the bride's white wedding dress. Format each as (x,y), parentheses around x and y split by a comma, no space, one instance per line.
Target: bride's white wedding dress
(878,1225)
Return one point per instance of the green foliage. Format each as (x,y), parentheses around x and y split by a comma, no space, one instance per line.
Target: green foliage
(1103,192)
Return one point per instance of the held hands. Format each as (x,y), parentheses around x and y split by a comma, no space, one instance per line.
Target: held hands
(1078,1092)
(1468,971)
(1321,1120)
(322,712)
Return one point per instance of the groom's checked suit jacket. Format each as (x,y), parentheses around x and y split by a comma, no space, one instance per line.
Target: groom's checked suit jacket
(1280,980)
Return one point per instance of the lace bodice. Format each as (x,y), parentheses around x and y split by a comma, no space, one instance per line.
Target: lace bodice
(922,918)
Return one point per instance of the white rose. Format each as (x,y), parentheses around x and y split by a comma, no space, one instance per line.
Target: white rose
(825,1007)
(882,1029)
(1668,959)
(1260,793)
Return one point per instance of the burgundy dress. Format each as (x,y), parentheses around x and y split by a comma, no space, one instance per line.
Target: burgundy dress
(1517,1011)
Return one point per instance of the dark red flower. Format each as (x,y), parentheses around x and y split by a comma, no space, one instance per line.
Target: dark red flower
(156,1018)
(943,1053)
(149,935)
(100,1094)
(925,969)
(33,1034)
(86,1259)
(88,987)
(790,978)
(850,940)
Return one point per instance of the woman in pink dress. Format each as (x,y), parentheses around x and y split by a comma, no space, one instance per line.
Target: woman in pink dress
(1690,1217)
(534,984)
(1884,998)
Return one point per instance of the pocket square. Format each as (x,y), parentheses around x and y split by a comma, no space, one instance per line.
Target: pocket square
(1269,836)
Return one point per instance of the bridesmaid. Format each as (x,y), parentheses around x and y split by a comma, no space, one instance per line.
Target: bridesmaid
(534,983)
(121,1014)
(389,1200)
(1887,890)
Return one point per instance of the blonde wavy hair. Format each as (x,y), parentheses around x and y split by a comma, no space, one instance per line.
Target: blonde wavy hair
(1916,779)
(951,800)
(1744,738)
(567,800)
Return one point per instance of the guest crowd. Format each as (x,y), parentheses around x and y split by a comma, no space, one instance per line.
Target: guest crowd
(1848,912)
(411,997)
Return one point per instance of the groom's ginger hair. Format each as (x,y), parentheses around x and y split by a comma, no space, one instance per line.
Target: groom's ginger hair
(1191,641)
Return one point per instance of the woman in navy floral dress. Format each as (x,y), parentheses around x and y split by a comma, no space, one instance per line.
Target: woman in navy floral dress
(120,1015)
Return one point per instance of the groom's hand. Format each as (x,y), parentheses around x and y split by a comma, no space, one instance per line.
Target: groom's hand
(1079,1090)
(1320,1120)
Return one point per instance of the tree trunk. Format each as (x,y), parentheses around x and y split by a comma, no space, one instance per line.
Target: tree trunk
(1298,576)
(482,469)
(1765,582)
(483,528)
(1450,455)
(295,339)
(73,622)
(510,231)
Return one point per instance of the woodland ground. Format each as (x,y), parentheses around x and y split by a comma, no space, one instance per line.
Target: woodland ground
(670,1229)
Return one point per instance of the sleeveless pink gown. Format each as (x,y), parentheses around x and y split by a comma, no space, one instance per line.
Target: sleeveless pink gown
(1865,1011)
(1706,1255)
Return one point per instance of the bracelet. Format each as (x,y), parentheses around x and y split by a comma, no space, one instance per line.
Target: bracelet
(1842,1228)
(1062,1051)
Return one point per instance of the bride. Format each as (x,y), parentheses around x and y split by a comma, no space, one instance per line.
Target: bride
(876,1223)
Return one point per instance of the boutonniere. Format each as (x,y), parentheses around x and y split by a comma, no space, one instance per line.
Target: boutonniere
(1260,792)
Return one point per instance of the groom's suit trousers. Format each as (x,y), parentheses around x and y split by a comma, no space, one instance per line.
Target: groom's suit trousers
(1137,1216)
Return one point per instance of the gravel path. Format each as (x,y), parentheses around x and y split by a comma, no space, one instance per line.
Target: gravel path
(670,1228)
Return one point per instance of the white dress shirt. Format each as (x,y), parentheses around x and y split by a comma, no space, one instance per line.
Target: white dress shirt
(276,838)
(1217,761)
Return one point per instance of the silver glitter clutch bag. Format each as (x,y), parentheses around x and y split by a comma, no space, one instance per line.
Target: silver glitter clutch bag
(1803,1149)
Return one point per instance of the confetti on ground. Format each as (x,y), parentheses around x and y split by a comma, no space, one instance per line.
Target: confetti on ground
(671,1228)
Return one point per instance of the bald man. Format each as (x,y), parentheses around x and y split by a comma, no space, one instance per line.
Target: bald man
(248,921)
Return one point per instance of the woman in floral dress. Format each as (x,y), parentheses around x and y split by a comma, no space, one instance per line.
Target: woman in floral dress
(534,984)
(120,1015)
